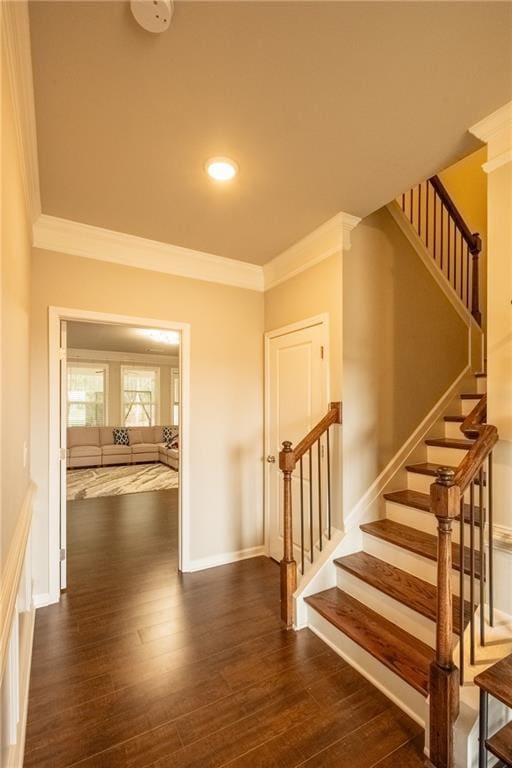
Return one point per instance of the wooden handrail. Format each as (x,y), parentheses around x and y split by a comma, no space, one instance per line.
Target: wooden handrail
(333,416)
(288,459)
(472,238)
(447,503)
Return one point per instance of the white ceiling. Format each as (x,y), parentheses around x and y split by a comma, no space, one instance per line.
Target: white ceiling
(115,338)
(326,106)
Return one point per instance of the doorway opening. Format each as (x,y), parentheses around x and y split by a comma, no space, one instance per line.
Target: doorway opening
(118,420)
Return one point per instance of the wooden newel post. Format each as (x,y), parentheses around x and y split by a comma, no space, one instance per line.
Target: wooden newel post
(444,675)
(288,564)
(475,279)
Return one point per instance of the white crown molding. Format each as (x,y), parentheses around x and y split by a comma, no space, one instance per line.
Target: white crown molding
(101,355)
(333,236)
(16,40)
(495,130)
(55,234)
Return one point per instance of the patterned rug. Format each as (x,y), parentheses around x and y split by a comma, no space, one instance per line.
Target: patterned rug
(115,481)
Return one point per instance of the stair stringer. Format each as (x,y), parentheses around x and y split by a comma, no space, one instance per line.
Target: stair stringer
(371,505)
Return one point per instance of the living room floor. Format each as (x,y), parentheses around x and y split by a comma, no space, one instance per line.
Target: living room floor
(142,667)
(117,480)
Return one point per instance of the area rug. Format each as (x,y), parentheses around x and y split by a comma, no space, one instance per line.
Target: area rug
(115,481)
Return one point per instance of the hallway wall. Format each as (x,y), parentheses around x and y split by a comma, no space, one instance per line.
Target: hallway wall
(226,403)
(15,304)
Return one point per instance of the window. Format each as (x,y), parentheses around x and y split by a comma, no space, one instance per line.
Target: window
(175,396)
(139,396)
(86,395)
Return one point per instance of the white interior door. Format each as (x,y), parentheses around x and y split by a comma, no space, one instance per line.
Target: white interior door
(296,400)
(62,450)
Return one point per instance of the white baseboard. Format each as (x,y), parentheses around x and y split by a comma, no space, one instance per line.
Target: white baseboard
(42,599)
(202,563)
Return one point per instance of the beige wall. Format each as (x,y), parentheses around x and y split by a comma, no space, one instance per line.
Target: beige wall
(225,389)
(15,293)
(466,182)
(114,405)
(403,346)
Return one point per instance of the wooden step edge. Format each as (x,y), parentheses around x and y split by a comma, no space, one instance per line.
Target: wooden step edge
(458,444)
(428,549)
(456,418)
(500,744)
(421,501)
(392,646)
(480,375)
(404,587)
(472,395)
(430,469)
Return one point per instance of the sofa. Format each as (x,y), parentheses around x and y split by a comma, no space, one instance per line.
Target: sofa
(95,447)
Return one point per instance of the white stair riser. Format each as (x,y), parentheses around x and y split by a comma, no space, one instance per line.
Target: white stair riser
(450,457)
(422,483)
(412,563)
(452,429)
(410,620)
(424,521)
(481,385)
(406,697)
(468,405)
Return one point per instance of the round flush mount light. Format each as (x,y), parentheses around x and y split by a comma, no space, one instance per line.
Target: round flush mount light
(221,168)
(153,15)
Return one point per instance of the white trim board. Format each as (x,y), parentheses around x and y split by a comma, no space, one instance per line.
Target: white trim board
(16,39)
(64,236)
(55,315)
(202,563)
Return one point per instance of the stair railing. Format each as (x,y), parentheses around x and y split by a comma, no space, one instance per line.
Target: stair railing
(447,237)
(474,474)
(311,511)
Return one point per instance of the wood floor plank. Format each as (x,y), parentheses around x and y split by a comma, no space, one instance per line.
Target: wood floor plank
(141,667)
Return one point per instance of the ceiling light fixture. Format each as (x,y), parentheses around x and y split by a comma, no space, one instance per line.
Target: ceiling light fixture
(163,337)
(153,15)
(221,168)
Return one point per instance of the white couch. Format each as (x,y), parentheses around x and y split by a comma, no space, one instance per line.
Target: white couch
(95,447)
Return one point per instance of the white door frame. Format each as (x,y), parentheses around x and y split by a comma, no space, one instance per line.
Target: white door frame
(55,315)
(300,325)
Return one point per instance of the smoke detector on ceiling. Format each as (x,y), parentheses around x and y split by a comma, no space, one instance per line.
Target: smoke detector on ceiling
(153,15)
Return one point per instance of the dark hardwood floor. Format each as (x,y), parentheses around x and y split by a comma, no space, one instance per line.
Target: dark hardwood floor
(140,667)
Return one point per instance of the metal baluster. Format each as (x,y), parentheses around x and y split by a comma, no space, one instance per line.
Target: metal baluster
(301,516)
(455,256)
(461,593)
(328,485)
(461,294)
(419,210)
(482,559)
(426,213)
(411,217)
(320,534)
(442,233)
(472,556)
(448,238)
(467,273)
(491,542)
(311,504)
(403,202)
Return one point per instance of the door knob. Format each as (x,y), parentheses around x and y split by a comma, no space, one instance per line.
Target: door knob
(271,459)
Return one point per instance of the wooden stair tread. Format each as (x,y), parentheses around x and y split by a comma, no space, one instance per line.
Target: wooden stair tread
(497,680)
(429,468)
(450,442)
(480,375)
(471,396)
(457,418)
(501,744)
(419,542)
(421,501)
(419,595)
(399,651)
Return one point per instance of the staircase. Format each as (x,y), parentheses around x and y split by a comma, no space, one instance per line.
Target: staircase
(385,601)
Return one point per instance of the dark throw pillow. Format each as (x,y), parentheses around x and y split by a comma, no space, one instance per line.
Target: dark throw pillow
(121,436)
(169,434)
